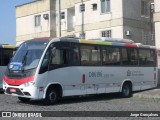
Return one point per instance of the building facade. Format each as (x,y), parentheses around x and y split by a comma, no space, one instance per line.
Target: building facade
(157,23)
(87,19)
(35,19)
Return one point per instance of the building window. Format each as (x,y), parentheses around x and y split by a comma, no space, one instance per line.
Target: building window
(62,15)
(106,33)
(144,8)
(105,6)
(37,20)
(94,6)
(82,7)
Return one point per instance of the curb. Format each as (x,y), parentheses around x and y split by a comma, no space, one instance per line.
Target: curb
(146,96)
(154,93)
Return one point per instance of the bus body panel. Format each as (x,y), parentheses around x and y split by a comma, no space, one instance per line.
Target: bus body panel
(97,80)
(100,79)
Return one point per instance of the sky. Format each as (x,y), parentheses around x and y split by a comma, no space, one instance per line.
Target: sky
(8,20)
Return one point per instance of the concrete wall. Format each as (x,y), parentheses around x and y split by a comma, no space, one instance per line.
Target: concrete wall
(25,20)
(32,8)
(125,13)
(132,10)
(157,31)
(134,22)
(94,21)
(91,16)
(157,23)
(26,25)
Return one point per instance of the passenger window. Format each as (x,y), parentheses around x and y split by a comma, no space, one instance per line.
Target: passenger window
(60,58)
(133,56)
(129,56)
(111,56)
(146,57)
(75,55)
(90,55)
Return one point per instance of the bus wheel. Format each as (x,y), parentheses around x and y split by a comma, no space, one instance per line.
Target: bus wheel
(126,90)
(24,99)
(51,96)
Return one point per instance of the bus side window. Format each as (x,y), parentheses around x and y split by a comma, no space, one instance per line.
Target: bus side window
(111,56)
(125,56)
(75,55)
(60,58)
(146,57)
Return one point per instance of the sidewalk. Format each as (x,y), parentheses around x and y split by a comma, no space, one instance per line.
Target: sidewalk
(151,93)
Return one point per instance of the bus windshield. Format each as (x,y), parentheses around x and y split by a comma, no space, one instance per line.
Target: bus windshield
(28,55)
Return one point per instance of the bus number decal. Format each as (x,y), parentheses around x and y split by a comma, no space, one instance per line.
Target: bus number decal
(95,74)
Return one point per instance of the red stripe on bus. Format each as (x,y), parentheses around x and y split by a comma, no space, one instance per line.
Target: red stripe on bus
(130,45)
(83,78)
(156,52)
(17,82)
(155,76)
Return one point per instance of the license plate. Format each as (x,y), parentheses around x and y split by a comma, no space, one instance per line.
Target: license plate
(12,90)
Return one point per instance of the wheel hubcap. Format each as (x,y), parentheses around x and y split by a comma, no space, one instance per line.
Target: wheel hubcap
(52,96)
(126,90)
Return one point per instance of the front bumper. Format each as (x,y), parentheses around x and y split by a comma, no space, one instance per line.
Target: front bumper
(27,92)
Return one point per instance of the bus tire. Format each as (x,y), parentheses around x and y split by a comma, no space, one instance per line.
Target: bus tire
(51,96)
(24,99)
(126,90)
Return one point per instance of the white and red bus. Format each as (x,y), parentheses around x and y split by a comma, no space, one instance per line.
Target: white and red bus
(59,67)
(6,53)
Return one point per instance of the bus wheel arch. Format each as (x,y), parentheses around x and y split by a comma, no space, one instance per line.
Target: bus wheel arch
(53,93)
(126,89)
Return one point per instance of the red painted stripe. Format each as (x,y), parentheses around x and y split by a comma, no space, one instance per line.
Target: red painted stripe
(130,45)
(83,78)
(156,52)
(155,76)
(17,82)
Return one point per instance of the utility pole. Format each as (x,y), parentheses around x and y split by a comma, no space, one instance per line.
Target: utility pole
(152,24)
(59,16)
(82,26)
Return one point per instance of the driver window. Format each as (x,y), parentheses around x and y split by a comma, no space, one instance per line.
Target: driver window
(44,65)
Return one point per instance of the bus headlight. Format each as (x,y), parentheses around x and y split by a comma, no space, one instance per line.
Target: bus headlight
(27,84)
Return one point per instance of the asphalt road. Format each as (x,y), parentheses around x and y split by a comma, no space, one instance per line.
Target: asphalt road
(105,102)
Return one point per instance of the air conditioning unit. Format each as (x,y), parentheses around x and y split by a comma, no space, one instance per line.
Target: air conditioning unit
(128,33)
(45,16)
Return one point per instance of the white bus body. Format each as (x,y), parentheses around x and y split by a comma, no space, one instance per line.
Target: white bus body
(53,77)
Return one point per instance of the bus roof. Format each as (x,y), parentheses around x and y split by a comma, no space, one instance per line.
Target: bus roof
(7,46)
(108,41)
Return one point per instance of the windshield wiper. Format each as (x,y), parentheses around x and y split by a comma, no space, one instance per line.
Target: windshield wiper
(24,60)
